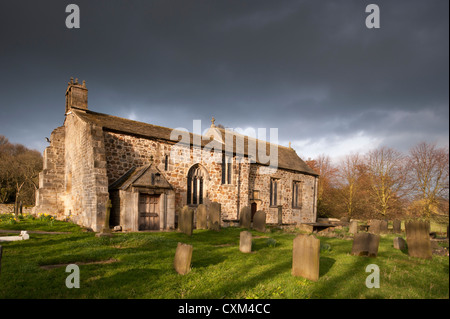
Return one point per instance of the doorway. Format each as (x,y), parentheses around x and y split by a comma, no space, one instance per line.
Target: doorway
(149,212)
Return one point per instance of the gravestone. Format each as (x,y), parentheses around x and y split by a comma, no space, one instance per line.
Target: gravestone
(245,218)
(397,226)
(306,257)
(183,257)
(280,214)
(214,213)
(353,228)
(375,226)
(399,243)
(418,239)
(245,242)
(259,221)
(186,222)
(202,217)
(365,244)
(383,226)
(106,231)
(345,219)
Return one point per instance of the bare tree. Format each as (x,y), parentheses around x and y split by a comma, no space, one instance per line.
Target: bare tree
(387,177)
(429,171)
(349,173)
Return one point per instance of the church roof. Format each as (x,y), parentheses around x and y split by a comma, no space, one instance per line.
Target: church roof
(287,157)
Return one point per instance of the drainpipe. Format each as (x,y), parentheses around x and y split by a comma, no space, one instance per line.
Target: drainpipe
(238,202)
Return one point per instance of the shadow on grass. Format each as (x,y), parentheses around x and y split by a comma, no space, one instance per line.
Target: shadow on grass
(325,265)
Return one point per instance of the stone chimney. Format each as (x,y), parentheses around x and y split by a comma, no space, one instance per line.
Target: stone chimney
(76,95)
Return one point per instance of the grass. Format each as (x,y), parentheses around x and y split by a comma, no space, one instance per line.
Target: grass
(144,267)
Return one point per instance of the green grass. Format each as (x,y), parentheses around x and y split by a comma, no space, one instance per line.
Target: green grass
(144,267)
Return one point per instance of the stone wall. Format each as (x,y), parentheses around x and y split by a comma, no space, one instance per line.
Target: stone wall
(86,184)
(261,183)
(9,209)
(49,198)
(126,151)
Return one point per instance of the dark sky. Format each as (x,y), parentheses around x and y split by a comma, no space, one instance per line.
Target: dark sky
(309,68)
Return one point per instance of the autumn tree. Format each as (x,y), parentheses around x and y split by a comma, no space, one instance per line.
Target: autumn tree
(348,177)
(429,172)
(386,168)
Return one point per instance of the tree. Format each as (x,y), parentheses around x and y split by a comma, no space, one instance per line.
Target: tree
(429,173)
(323,166)
(349,173)
(387,177)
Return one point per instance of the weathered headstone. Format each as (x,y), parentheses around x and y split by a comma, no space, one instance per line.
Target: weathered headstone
(202,217)
(375,226)
(183,257)
(365,244)
(383,226)
(353,228)
(214,217)
(186,222)
(397,226)
(418,239)
(245,242)
(306,257)
(259,221)
(280,214)
(399,243)
(106,231)
(245,217)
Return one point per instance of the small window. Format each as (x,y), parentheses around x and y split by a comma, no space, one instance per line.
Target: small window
(166,162)
(297,194)
(227,169)
(273,191)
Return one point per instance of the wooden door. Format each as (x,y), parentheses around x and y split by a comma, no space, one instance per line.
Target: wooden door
(149,212)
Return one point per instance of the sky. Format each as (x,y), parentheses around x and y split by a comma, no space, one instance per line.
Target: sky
(311,69)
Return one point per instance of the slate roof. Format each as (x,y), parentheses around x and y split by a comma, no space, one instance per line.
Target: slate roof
(287,157)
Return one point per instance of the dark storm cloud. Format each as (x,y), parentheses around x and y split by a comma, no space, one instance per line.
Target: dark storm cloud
(310,68)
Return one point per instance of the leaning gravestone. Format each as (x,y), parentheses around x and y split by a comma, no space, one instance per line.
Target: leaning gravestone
(245,242)
(418,239)
(397,226)
(365,244)
(214,216)
(375,226)
(259,221)
(186,223)
(353,228)
(183,257)
(306,257)
(399,243)
(245,218)
(202,217)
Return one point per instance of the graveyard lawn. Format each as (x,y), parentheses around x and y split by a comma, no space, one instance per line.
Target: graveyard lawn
(140,265)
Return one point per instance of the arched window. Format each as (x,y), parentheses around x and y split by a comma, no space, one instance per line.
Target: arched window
(195,181)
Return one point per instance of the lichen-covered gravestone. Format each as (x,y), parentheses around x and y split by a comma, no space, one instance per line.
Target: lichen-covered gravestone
(186,220)
(353,228)
(399,243)
(397,226)
(365,244)
(245,218)
(306,257)
(183,257)
(375,226)
(245,242)
(259,221)
(418,239)
(202,217)
(214,217)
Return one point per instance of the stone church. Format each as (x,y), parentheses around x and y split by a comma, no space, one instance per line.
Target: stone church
(149,175)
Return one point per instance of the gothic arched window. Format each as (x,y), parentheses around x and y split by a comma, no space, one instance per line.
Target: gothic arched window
(195,180)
